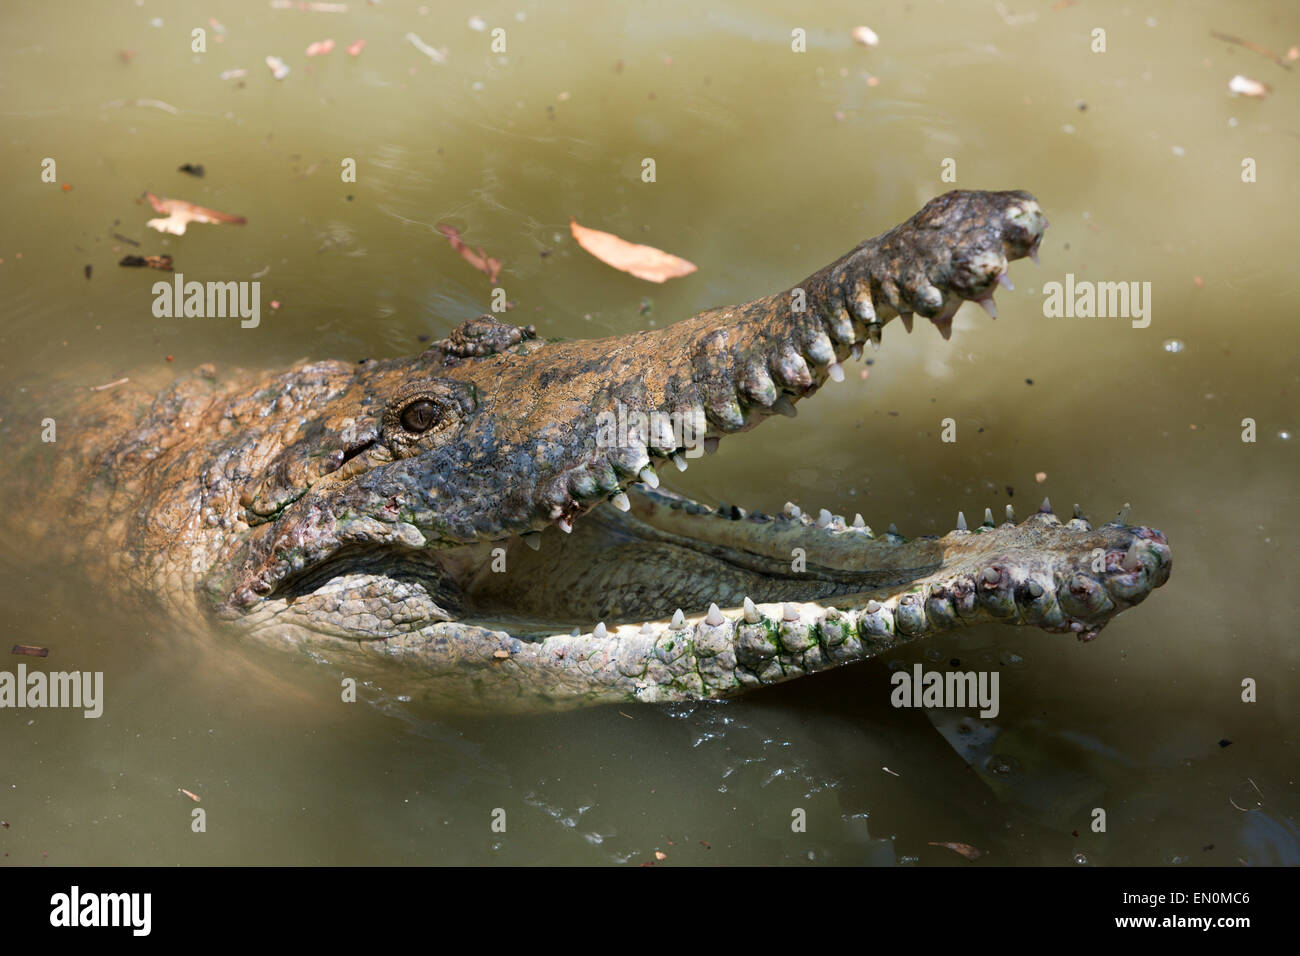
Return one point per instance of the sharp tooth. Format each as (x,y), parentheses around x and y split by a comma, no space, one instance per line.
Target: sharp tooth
(873,333)
(1078,512)
(751,613)
(646,629)
(565,525)
(792,509)
(710,445)
(1011,514)
(823,518)
(784,406)
(907,321)
(621,502)
(1045,507)
(599,633)
(944,327)
(991,575)
(789,612)
(988,306)
(1132,561)
(649,477)
(893,529)
(575,633)
(856,351)
(835,371)
(1005,280)
(533,541)
(714,617)
(1033,252)
(1122,517)
(679,620)
(961,521)
(679,461)
(988,517)
(858,522)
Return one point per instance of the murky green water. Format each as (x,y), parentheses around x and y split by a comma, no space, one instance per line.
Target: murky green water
(769,164)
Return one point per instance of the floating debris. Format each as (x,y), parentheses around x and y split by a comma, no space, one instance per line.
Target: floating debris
(1245,86)
(278,68)
(1255,47)
(194,169)
(437,56)
(233,74)
(1174,346)
(101,388)
(866,36)
(180,213)
(309,7)
(31,650)
(355,48)
(479,259)
(320,47)
(644,262)
(161,263)
(965,849)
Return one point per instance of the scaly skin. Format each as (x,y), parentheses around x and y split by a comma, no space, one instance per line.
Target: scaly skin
(367,511)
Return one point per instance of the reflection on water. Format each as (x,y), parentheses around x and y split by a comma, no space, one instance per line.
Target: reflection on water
(769,163)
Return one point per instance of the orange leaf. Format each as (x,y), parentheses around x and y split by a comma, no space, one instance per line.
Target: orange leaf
(644,262)
(180,213)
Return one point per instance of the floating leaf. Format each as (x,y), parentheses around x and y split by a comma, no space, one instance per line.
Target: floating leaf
(644,262)
(479,259)
(180,213)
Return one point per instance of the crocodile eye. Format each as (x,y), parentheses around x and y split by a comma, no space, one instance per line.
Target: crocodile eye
(419,416)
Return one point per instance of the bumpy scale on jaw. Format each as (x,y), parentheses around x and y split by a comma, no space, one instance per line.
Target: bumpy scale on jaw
(358,508)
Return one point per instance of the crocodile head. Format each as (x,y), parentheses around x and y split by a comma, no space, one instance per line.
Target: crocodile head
(487,513)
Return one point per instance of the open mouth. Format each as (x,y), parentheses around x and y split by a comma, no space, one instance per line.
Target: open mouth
(669,564)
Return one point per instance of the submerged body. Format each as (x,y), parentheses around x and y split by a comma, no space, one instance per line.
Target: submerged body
(391,511)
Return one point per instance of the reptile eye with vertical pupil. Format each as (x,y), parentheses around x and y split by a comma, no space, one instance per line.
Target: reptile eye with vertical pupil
(420,416)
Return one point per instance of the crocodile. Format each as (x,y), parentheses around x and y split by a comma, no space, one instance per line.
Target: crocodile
(484,521)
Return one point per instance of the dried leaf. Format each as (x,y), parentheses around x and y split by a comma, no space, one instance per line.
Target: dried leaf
(660,855)
(965,849)
(192,796)
(479,259)
(180,213)
(644,262)
(31,650)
